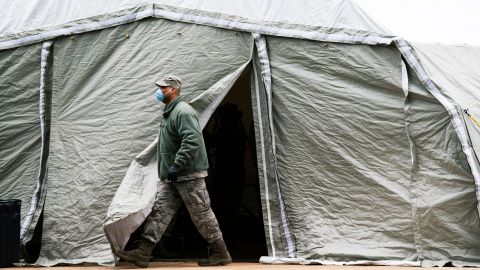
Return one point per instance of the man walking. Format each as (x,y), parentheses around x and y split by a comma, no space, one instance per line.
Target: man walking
(182,168)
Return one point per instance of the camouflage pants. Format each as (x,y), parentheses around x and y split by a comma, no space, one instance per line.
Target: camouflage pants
(169,198)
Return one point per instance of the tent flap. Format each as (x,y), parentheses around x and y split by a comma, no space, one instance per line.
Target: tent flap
(135,196)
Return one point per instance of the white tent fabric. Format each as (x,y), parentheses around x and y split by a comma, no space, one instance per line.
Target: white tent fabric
(336,14)
(449,21)
(428,21)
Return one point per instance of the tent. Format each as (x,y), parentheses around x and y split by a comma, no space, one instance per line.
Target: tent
(366,143)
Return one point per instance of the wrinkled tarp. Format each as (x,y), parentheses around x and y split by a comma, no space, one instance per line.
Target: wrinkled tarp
(344,162)
(459,77)
(104,113)
(20,132)
(444,207)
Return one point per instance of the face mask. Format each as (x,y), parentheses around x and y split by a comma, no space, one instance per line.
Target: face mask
(159,95)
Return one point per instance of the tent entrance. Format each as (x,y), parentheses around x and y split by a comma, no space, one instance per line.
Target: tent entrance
(232,184)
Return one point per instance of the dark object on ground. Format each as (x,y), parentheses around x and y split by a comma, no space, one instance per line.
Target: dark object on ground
(9,232)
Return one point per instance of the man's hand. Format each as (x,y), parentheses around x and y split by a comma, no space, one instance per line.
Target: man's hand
(172,173)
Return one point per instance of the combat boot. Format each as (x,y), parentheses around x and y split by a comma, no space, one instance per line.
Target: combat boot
(140,256)
(218,255)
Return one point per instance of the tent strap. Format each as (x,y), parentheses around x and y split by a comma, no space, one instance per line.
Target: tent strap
(38,195)
(266,74)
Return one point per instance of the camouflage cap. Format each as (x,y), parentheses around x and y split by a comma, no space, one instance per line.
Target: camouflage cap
(170,80)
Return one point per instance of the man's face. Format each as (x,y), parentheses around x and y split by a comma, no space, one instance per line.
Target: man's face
(168,93)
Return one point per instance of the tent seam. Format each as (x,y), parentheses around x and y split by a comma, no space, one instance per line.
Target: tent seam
(414,162)
(264,163)
(34,204)
(455,116)
(266,76)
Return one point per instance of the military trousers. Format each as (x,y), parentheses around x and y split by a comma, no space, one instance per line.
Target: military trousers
(169,199)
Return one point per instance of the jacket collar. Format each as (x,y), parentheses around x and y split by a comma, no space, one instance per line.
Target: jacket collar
(169,108)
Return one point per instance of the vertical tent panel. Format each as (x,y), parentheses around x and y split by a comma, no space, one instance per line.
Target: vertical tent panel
(272,220)
(445,216)
(343,152)
(20,131)
(104,113)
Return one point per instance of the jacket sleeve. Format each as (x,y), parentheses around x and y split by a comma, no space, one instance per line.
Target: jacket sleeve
(190,135)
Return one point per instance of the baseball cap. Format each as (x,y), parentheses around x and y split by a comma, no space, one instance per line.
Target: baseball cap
(170,80)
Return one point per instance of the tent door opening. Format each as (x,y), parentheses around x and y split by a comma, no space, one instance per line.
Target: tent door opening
(232,184)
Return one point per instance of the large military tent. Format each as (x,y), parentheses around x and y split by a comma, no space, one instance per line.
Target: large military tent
(366,144)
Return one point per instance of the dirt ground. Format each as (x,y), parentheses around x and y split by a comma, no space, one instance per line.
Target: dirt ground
(233,266)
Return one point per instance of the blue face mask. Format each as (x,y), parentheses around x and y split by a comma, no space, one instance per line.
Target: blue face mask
(159,95)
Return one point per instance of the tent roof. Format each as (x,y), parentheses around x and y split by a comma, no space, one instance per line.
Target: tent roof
(26,15)
(428,21)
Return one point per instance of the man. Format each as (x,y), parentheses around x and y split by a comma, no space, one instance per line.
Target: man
(182,168)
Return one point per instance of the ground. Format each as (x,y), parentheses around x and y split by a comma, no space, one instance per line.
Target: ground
(233,266)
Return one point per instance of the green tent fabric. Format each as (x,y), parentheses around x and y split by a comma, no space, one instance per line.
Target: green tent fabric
(352,187)
(337,176)
(21,141)
(104,113)
(443,197)
(365,155)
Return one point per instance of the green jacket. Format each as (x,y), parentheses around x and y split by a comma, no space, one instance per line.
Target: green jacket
(180,140)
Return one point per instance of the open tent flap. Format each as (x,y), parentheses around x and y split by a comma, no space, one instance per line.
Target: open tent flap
(135,196)
(347,171)
(104,113)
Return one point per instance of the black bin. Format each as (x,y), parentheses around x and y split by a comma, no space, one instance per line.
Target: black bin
(9,232)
